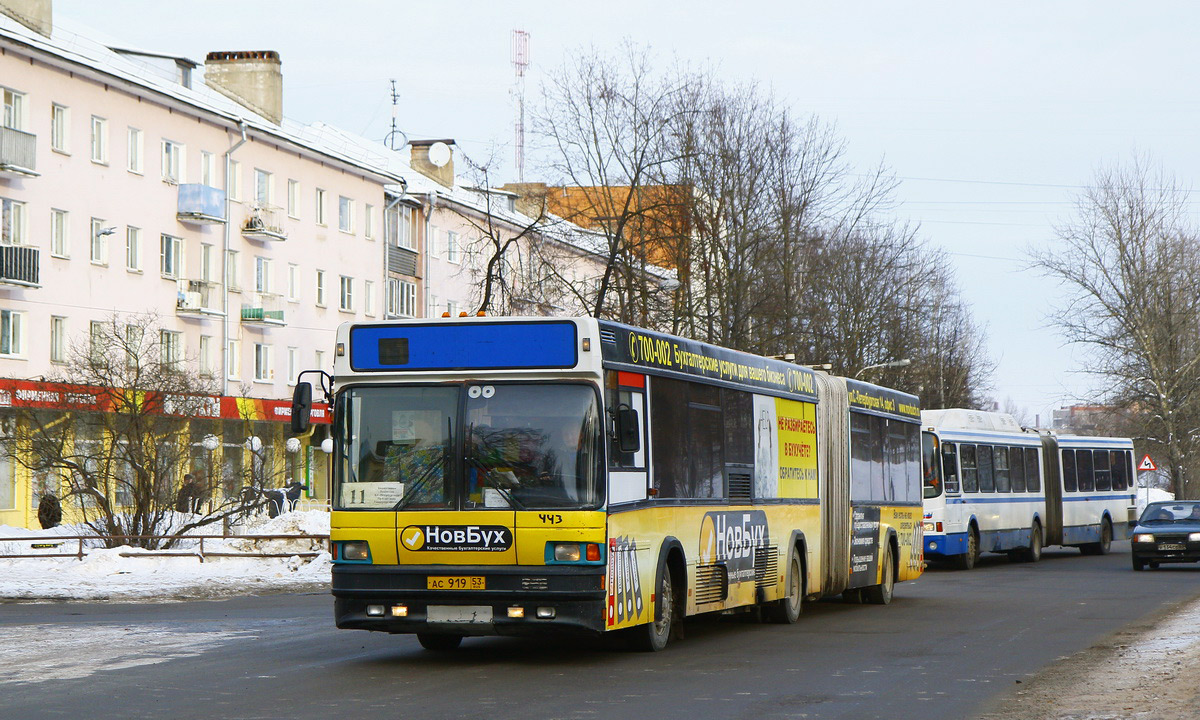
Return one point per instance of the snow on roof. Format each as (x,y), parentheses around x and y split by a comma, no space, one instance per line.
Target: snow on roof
(84,46)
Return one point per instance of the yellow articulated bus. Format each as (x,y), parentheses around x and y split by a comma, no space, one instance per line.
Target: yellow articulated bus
(521,476)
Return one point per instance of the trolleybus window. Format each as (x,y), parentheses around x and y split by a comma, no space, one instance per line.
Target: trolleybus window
(931,462)
(1083,470)
(1002,479)
(1103,476)
(1120,469)
(1016,468)
(1068,464)
(1033,471)
(987,479)
(970,474)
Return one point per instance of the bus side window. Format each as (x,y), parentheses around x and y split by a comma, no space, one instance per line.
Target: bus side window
(950,467)
(987,480)
(1003,483)
(626,408)
(1119,462)
(1068,471)
(970,474)
(1103,475)
(1033,471)
(1016,467)
(1083,470)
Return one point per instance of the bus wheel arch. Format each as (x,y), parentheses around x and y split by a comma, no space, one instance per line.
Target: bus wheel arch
(881,594)
(787,609)
(1106,536)
(967,560)
(670,582)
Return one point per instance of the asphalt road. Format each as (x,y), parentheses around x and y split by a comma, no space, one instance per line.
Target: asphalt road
(949,641)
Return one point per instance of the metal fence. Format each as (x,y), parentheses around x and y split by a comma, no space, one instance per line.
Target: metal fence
(81,549)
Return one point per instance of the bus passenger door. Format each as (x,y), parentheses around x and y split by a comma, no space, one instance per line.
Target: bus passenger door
(625,405)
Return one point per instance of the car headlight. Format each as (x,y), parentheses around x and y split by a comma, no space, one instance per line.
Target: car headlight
(1194,537)
(1143,538)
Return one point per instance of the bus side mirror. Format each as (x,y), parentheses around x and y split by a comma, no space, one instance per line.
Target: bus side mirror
(949,464)
(627,429)
(301,407)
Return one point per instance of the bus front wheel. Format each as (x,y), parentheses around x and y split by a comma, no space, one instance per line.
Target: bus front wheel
(787,609)
(438,641)
(967,560)
(654,635)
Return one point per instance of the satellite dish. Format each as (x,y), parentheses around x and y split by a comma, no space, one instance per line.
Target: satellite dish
(439,154)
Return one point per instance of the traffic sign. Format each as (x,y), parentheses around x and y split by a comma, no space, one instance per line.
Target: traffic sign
(1147,465)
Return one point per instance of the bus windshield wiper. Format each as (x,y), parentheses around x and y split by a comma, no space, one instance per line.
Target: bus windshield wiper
(417,486)
(487,473)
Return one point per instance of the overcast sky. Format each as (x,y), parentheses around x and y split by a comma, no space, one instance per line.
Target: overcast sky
(992,115)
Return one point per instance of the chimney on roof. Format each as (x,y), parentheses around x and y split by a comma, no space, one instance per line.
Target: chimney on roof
(33,14)
(251,78)
(531,197)
(434,159)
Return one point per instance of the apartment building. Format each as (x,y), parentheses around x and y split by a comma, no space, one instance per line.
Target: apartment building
(134,182)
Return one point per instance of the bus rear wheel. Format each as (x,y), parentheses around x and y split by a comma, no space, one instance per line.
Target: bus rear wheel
(967,560)
(787,609)
(1033,553)
(439,642)
(1105,544)
(881,594)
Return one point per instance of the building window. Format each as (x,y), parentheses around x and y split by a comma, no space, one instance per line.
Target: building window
(262,275)
(264,188)
(134,163)
(293,286)
(369,222)
(133,345)
(58,339)
(369,298)
(99,242)
(397,227)
(60,122)
(431,242)
(262,363)
(172,162)
(171,256)
(14,109)
(233,364)
(293,198)
(207,368)
(99,140)
(319,358)
(345,214)
(320,210)
(208,169)
(207,271)
(402,298)
(232,277)
(293,364)
(451,247)
(346,294)
(96,342)
(12,222)
(452,307)
(59,233)
(133,249)
(170,346)
(431,306)
(235,180)
(320,288)
(10,332)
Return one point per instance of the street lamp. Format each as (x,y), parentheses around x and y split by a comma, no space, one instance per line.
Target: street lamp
(893,364)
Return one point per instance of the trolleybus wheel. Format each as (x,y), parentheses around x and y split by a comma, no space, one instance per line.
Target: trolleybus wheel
(654,635)
(1105,544)
(1138,563)
(1033,553)
(967,560)
(881,594)
(439,641)
(787,609)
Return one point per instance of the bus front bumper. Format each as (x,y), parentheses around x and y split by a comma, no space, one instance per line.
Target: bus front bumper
(945,544)
(397,599)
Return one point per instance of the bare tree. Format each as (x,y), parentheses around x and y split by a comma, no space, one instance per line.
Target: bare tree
(1130,262)
(119,459)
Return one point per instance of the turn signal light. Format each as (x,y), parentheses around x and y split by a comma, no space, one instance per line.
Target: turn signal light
(593,552)
(399,611)
(516,612)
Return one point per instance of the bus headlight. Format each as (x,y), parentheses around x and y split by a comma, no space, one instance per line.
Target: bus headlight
(928,526)
(356,551)
(1194,537)
(1143,538)
(566,552)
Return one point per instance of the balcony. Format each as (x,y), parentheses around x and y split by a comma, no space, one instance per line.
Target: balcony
(198,298)
(201,204)
(265,222)
(17,152)
(263,309)
(19,265)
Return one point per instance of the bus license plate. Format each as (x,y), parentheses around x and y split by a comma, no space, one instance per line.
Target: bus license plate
(461,582)
(1170,546)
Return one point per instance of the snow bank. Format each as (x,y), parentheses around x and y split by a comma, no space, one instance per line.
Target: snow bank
(1145,496)
(105,575)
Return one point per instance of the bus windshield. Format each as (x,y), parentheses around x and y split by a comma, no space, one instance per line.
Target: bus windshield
(931,465)
(524,446)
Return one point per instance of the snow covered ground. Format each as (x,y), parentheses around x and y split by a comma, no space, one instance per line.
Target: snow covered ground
(104,575)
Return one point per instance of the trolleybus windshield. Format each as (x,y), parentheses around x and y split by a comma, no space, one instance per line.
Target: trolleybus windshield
(525,446)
